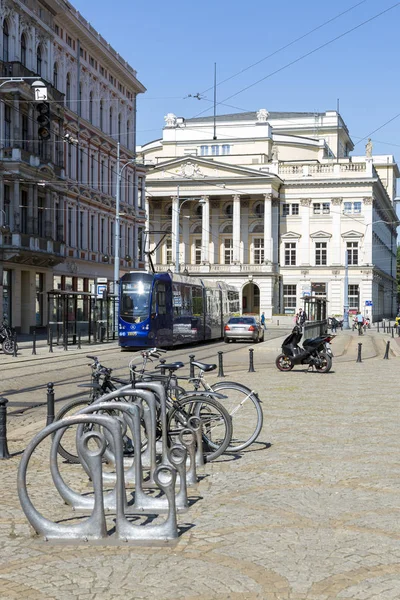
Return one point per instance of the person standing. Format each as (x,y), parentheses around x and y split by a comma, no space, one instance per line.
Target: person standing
(263,321)
(302,317)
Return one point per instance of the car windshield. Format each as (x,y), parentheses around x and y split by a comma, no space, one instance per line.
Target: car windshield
(242,321)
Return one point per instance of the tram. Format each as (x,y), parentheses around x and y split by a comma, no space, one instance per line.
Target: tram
(167,309)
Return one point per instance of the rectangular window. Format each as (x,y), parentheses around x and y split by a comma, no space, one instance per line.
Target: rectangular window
(24,211)
(357,207)
(352,253)
(215,150)
(203,150)
(168,251)
(347,207)
(285,209)
(102,235)
(69,226)
(24,126)
(352,207)
(82,243)
(290,254)
(226,149)
(326,208)
(140,244)
(41,216)
(197,252)
(320,253)
(295,209)
(317,208)
(353,296)
(318,289)
(228,251)
(39,277)
(7,125)
(92,232)
(258,251)
(68,39)
(289,296)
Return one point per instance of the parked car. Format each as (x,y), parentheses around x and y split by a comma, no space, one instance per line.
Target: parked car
(243,328)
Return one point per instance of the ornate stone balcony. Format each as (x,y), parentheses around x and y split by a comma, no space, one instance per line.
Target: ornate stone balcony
(24,248)
(245,269)
(323,170)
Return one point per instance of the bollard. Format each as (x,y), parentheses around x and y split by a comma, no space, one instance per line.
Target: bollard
(191,374)
(378,326)
(50,403)
(277,322)
(386,357)
(162,369)
(50,341)
(220,365)
(15,344)
(251,363)
(65,339)
(34,342)
(3,428)
(359,353)
(95,334)
(392,332)
(384,327)
(79,338)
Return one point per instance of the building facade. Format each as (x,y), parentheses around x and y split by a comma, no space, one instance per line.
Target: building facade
(58,196)
(275,204)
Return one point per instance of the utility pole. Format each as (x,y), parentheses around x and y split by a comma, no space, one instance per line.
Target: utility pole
(117,235)
(346,291)
(177,266)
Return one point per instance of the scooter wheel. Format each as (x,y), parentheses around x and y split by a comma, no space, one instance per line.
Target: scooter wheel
(325,363)
(284,363)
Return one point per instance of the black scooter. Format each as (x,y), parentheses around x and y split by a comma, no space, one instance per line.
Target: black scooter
(316,352)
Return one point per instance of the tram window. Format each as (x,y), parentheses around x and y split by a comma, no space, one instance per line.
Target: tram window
(161,299)
(197,300)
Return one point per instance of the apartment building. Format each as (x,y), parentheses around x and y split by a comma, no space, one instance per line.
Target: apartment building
(276,204)
(58,195)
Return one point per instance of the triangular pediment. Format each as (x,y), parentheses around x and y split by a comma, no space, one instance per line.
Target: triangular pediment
(200,168)
(320,234)
(291,235)
(352,234)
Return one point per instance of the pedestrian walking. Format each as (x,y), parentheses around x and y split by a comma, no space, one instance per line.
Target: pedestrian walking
(302,317)
(263,325)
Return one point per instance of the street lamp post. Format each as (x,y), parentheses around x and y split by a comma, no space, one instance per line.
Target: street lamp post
(177,215)
(346,324)
(117,216)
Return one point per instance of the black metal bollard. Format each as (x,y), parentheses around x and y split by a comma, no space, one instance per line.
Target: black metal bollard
(65,339)
(378,326)
(34,342)
(359,353)
(15,344)
(95,333)
(392,332)
(251,361)
(50,403)
(386,357)
(220,365)
(3,428)
(384,327)
(50,340)
(79,338)
(162,369)
(277,322)
(191,374)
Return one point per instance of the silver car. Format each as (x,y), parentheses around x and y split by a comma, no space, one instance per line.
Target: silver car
(243,328)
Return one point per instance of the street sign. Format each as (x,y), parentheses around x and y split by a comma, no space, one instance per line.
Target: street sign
(369,303)
(102,280)
(40,94)
(100,288)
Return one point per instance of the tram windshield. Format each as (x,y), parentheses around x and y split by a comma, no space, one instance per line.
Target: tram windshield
(135,301)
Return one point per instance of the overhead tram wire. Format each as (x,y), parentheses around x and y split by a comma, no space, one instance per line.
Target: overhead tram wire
(298,39)
(303,56)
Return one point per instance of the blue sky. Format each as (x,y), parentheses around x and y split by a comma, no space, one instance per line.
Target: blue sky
(173,46)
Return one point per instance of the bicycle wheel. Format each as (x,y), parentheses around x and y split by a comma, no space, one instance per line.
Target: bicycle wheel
(246,413)
(216,422)
(67,446)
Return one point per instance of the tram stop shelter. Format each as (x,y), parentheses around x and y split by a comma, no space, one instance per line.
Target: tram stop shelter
(315,308)
(81,317)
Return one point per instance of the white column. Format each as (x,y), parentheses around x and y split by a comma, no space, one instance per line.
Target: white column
(175,229)
(366,256)
(275,231)
(268,243)
(244,235)
(205,230)
(336,257)
(214,254)
(185,245)
(236,228)
(305,231)
(146,235)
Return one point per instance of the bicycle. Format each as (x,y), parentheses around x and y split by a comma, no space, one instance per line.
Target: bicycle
(217,427)
(242,404)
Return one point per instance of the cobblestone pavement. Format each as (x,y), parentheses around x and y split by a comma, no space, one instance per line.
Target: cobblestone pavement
(310,512)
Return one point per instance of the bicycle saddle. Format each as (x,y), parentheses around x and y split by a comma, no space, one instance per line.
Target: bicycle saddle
(171,366)
(204,366)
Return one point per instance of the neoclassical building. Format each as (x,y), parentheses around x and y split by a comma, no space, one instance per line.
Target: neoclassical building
(58,196)
(274,203)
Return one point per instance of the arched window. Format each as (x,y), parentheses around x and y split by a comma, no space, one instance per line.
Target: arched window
(259,209)
(229,210)
(110,121)
(23,49)
(101,114)
(5,41)
(39,60)
(55,75)
(119,127)
(128,131)
(91,107)
(68,91)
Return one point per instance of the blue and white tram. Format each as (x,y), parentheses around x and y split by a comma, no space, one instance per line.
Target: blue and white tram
(163,309)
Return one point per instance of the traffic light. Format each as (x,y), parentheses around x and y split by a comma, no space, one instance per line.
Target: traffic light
(44,120)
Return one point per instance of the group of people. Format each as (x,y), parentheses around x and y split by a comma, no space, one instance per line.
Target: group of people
(301,317)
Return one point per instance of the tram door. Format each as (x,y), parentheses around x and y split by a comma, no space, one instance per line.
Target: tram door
(161,313)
